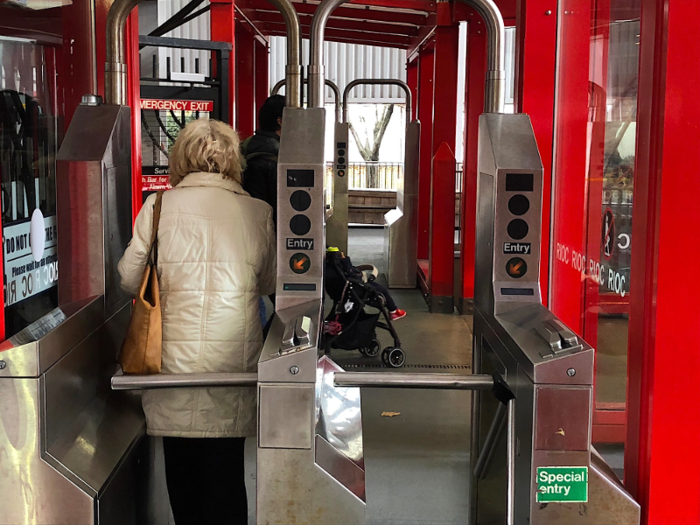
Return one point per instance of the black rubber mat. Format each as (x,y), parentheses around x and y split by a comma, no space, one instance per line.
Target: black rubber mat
(408,365)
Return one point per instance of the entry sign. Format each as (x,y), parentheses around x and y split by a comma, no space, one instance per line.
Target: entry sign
(562,484)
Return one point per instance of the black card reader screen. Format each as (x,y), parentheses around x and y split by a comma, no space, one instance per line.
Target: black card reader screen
(300,178)
(520,181)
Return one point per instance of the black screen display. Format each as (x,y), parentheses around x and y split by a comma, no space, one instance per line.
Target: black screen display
(520,181)
(300,178)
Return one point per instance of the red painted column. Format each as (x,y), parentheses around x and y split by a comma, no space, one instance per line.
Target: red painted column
(245,81)
(134,96)
(425,115)
(663,445)
(77,69)
(536,52)
(262,75)
(570,161)
(223,30)
(474,105)
(442,195)
(442,231)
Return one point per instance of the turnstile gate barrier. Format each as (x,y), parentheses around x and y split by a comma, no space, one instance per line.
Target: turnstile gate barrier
(545,472)
(401,223)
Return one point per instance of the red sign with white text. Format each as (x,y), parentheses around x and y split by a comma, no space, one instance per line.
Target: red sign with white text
(156,183)
(178,105)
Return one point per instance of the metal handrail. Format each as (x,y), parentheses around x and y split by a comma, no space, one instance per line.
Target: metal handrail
(336,91)
(495,76)
(122,381)
(425,381)
(115,66)
(378,82)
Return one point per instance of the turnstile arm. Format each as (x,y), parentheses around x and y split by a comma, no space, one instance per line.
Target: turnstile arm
(214,379)
(432,381)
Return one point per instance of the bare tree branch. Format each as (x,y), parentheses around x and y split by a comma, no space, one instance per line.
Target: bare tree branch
(370,152)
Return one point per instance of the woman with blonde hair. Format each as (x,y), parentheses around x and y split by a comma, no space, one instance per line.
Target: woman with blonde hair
(216,257)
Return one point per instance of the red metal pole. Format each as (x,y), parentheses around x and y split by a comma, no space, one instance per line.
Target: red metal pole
(662,457)
(245,80)
(536,51)
(223,30)
(77,71)
(262,75)
(425,115)
(474,106)
(101,10)
(134,93)
(442,227)
(568,216)
(442,195)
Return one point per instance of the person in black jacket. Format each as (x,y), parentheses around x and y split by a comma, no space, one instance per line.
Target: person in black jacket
(261,151)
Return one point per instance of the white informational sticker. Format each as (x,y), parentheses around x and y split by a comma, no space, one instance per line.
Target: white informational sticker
(25,276)
(37,235)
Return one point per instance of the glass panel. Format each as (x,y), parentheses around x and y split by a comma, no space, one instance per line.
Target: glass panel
(612,121)
(594,173)
(28,146)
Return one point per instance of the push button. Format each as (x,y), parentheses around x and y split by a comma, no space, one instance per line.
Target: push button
(300,263)
(300,200)
(516,267)
(300,225)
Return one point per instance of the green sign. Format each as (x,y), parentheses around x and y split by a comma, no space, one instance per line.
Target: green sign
(562,484)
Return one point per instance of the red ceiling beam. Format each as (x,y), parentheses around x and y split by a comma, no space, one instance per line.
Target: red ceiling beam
(351,25)
(354,13)
(350,37)
(416,5)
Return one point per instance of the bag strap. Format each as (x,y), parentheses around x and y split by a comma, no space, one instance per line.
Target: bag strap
(153,253)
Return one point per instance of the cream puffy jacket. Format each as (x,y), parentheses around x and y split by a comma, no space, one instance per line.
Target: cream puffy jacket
(216,257)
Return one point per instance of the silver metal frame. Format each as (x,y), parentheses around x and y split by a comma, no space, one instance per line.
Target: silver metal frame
(115,67)
(329,83)
(378,82)
(495,76)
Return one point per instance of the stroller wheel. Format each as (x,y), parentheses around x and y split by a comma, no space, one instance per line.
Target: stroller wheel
(372,350)
(393,357)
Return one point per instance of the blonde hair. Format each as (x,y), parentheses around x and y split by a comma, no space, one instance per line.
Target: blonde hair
(206,145)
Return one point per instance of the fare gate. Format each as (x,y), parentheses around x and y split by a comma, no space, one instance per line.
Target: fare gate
(401,223)
(531,435)
(545,471)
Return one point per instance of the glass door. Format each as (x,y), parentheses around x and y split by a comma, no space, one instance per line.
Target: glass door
(28,146)
(598,61)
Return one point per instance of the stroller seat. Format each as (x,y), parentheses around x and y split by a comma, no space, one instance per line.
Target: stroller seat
(348,325)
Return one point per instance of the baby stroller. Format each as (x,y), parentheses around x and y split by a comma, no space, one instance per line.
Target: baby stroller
(348,326)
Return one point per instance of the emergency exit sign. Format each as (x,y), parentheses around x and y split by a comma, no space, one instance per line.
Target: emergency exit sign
(562,484)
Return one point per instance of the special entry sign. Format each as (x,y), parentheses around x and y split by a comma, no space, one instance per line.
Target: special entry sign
(562,484)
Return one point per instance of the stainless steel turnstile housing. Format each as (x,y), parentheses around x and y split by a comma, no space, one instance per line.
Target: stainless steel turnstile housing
(69,446)
(547,368)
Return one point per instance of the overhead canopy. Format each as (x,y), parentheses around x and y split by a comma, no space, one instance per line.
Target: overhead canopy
(390,23)
(401,24)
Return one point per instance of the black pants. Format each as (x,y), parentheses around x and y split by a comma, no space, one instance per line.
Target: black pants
(206,480)
(390,304)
